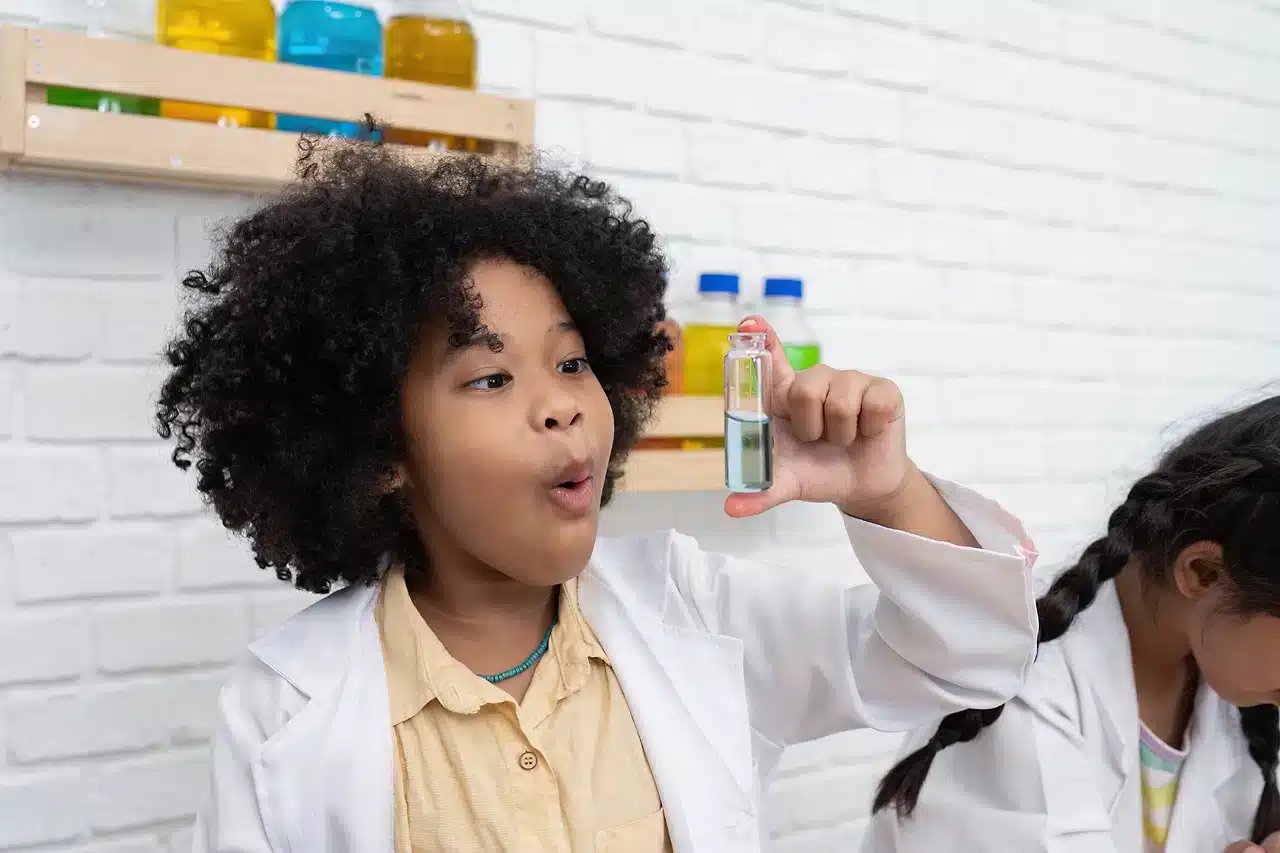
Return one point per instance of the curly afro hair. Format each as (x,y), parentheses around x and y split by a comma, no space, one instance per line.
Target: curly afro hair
(286,374)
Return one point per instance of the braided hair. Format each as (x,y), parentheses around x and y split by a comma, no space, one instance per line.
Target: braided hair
(1219,484)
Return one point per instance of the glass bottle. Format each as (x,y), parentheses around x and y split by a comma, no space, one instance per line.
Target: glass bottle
(748,438)
(335,36)
(133,20)
(784,309)
(430,41)
(243,28)
(709,322)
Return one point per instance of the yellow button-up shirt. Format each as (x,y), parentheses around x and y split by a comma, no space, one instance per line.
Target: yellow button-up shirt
(562,771)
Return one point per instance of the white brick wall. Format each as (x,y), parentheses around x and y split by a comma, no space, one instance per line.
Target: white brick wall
(1055,223)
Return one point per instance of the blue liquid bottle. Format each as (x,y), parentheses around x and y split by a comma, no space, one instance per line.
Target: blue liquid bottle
(336,36)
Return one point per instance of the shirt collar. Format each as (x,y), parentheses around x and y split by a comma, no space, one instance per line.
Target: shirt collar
(420,669)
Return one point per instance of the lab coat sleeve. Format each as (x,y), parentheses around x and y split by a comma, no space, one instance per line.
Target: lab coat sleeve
(1027,784)
(948,627)
(251,707)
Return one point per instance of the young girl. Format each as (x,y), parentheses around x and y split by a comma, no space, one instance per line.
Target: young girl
(419,384)
(1152,723)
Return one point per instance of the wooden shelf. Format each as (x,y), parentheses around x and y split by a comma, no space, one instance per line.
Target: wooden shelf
(35,135)
(674,470)
(689,417)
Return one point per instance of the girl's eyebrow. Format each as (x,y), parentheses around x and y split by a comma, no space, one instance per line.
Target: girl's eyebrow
(491,341)
(494,341)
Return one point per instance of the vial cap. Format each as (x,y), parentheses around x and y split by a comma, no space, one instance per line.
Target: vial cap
(792,287)
(749,341)
(718,282)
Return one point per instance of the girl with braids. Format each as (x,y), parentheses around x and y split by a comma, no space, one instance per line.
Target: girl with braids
(1150,724)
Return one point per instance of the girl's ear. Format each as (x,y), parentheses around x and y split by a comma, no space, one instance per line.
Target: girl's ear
(1198,569)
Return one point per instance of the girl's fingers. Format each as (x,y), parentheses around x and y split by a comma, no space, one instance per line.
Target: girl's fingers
(882,405)
(806,402)
(844,406)
(782,371)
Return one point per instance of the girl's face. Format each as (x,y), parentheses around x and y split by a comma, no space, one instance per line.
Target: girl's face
(1239,657)
(1238,654)
(507,450)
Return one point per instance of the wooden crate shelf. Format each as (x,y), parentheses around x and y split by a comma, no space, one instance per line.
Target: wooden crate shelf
(37,136)
(689,417)
(674,470)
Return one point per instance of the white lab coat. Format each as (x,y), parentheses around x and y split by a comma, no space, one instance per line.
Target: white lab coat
(723,663)
(1059,771)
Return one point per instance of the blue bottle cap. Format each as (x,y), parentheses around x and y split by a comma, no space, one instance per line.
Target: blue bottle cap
(793,287)
(718,282)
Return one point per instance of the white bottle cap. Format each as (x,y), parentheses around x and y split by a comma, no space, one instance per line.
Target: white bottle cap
(134,20)
(445,10)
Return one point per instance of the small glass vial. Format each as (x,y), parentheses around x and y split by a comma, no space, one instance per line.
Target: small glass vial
(748,439)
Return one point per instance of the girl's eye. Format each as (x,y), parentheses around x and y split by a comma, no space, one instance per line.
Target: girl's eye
(575,365)
(492,382)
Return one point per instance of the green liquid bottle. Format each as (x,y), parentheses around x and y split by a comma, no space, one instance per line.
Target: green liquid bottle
(783,310)
(132,20)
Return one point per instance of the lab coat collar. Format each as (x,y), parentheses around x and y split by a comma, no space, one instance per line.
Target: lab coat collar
(1099,642)
(1214,780)
(312,650)
(635,602)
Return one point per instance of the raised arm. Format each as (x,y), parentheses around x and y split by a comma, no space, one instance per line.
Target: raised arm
(944,627)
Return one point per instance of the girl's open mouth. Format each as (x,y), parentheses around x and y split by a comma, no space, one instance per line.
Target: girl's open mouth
(575,495)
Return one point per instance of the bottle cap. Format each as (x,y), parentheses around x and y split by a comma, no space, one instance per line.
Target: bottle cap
(718,282)
(134,20)
(792,287)
(443,10)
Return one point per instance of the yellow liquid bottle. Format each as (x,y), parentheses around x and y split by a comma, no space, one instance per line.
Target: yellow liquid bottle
(430,41)
(712,319)
(243,28)
(705,340)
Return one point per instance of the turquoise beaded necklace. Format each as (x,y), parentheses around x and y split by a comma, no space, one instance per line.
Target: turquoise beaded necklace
(528,662)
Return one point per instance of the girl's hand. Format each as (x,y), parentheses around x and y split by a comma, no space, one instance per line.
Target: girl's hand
(839,437)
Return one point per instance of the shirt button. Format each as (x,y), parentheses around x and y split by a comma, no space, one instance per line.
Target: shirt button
(528,761)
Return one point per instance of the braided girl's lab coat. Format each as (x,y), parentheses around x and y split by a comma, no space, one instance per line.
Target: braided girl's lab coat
(723,663)
(1059,771)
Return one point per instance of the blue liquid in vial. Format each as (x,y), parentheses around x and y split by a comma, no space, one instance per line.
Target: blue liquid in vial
(748,452)
(331,35)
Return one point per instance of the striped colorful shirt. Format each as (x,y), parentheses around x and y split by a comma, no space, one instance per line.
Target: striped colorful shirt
(1161,766)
